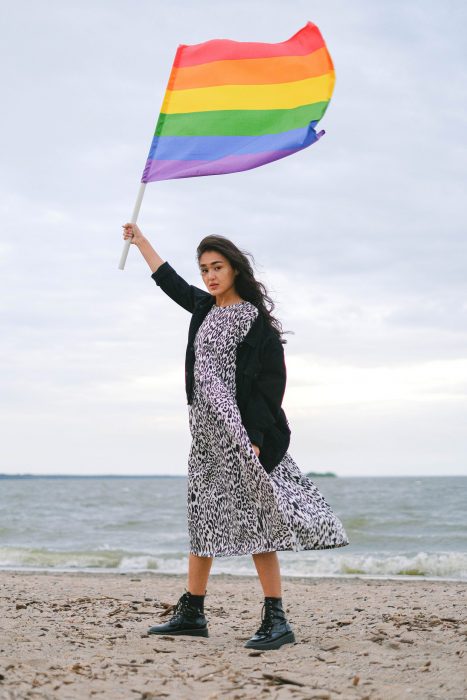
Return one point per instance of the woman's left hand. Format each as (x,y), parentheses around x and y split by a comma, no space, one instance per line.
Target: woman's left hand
(256,449)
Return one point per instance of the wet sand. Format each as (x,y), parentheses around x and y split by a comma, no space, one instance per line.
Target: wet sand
(83,635)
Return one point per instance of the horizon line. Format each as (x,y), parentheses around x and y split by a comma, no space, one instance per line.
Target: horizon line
(324,474)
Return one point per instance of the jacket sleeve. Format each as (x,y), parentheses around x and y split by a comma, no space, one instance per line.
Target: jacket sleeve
(187,295)
(264,404)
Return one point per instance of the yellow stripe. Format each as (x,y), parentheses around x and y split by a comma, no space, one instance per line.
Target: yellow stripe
(271,96)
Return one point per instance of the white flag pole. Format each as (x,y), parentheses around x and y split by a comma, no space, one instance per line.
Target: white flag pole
(134,217)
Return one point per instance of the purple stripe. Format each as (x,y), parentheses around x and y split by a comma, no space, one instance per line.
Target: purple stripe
(173,169)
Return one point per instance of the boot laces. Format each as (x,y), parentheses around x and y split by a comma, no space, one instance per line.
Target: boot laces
(266,618)
(181,607)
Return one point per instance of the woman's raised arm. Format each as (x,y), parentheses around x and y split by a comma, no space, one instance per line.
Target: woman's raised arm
(178,289)
(147,251)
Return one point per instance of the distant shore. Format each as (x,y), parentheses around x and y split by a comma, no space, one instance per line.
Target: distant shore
(79,635)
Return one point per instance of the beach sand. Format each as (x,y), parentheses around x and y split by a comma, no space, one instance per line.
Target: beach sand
(83,635)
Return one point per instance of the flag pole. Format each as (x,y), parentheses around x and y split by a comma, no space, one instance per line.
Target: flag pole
(134,217)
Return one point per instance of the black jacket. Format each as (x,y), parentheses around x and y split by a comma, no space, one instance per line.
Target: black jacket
(260,373)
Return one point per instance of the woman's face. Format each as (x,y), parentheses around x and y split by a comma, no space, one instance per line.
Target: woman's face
(217,272)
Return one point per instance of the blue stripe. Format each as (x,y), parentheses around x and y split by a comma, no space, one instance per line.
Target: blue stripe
(214,147)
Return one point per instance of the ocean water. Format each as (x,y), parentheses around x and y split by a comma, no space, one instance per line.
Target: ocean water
(397,527)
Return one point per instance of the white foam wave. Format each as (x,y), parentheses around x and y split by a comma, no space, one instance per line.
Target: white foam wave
(298,564)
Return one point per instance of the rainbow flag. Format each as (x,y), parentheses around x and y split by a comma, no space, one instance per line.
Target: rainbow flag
(236,105)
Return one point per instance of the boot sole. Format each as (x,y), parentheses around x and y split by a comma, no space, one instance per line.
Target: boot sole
(288,638)
(191,633)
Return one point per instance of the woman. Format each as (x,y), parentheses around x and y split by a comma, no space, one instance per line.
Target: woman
(246,495)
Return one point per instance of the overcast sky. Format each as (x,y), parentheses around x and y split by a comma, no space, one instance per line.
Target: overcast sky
(360,238)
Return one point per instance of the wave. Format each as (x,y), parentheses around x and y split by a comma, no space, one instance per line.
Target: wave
(452,565)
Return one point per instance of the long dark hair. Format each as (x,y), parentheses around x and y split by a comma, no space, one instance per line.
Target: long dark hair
(246,285)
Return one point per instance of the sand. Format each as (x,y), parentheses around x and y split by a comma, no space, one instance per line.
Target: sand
(83,635)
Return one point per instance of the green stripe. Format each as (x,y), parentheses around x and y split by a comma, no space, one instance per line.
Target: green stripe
(245,122)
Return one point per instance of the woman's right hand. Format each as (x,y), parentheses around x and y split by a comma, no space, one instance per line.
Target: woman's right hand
(256,449)
(133,232)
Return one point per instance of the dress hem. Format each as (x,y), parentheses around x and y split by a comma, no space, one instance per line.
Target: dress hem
(275,549)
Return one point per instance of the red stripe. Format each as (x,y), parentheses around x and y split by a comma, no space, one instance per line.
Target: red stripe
(305,41)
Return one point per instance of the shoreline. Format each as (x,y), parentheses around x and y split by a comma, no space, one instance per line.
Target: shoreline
(300,577)
(65,635)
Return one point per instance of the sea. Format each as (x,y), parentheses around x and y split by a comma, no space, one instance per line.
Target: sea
(398,527)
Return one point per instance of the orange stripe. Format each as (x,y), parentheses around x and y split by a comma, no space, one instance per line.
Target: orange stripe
(253,71)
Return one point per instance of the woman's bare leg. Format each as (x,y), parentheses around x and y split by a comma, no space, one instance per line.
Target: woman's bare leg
(198,574)
(268,568)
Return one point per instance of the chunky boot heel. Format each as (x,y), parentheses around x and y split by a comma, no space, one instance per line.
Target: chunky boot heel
(274,630)
(188,618)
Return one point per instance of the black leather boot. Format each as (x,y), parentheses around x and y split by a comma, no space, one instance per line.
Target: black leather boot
(274,630)
(187,618)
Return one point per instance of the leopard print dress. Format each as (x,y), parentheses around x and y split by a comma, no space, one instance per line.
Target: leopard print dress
(234,506)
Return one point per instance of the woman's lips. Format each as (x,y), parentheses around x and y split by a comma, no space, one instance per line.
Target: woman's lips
(213,286)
